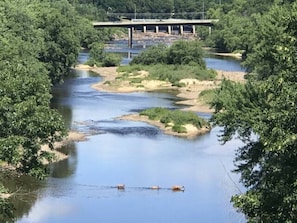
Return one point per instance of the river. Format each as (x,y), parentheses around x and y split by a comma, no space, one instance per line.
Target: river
(81,189)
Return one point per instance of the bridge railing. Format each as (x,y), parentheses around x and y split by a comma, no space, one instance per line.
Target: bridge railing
(180,15)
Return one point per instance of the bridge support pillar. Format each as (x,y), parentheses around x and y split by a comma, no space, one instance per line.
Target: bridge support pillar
(181,30)
(209,30)
(130,36)
(169,29)
(144,29)
(194,29)
(157,29)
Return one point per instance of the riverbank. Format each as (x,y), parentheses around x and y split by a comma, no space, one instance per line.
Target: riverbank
(58,156)
(72,136)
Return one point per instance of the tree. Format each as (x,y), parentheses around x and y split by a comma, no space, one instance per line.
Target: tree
(153,55)
(59,21)
(262,113)
(26,119)
(99,57)
(179,53)
(185,52)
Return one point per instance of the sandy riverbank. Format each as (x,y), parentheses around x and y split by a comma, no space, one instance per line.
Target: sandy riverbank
(71,137)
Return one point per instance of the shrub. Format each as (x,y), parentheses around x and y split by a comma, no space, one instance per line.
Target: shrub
(180,52)
(179,129)
(130,68)
(177,117)
(153,55)
(111,60)
(186,52)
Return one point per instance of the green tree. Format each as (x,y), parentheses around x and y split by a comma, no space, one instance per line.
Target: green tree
(179,53)
(262,113)
(59,21)
(153,55)
(185,52)
(26,119)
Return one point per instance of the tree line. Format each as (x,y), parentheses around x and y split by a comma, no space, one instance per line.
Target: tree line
(40,42)
(262,112)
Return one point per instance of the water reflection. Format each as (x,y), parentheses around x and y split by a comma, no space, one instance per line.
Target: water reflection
(65,168)
(26,190)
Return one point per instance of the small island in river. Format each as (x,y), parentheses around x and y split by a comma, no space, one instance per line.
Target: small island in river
(190,130)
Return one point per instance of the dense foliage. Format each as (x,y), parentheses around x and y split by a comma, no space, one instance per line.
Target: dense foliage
(175,118)
(98,57)
(179,53)
(262,113)
(189,9)
(183,59)
(40,41)
(236,29)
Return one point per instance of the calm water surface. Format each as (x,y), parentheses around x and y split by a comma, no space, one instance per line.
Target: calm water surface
(137,155)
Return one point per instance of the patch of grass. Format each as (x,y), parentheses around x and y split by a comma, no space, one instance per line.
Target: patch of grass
(179,129)
(123,76)
(130,68)
(171,73)
(176,117)
(174,73)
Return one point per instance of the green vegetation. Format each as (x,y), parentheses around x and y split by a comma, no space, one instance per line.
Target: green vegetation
(98,57)
(190,9)
(184,59)
(170,73)
(40,42)
(175,118)
(262,113)
(179,53)
(207,95)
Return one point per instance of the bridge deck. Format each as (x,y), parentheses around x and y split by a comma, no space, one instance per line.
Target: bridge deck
(165,22)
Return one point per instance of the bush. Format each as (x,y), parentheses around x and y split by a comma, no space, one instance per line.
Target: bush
(179,129)
(186,52)
(181,52)
(111,60)
(177,117)
(96,52)
(184,59)
(207,95)
(130,68)
(174,73)
(153,55)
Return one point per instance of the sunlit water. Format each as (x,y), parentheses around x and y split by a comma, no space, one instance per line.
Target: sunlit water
(138,155)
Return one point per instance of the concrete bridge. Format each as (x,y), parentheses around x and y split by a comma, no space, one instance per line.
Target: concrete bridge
(156,23)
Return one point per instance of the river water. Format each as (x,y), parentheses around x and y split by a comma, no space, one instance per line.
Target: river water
(81,189)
